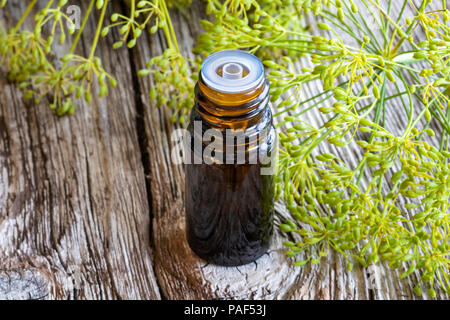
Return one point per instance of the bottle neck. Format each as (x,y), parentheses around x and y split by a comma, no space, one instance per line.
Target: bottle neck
(231,110)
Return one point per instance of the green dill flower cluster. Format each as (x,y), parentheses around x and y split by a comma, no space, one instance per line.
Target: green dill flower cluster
(267,27)
(142,14)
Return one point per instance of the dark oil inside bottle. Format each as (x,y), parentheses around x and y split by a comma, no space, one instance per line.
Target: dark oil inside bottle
(229,205)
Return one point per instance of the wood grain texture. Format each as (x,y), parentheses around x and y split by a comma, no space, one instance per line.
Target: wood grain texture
(182,275)
(73,202)
(76,210)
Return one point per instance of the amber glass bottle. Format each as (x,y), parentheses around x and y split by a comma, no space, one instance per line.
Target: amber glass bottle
(231,146)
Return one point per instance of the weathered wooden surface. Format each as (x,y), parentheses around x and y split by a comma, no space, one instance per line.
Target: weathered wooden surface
(78,220)
(73,202)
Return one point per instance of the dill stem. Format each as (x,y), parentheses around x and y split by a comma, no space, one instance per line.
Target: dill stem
(25,14)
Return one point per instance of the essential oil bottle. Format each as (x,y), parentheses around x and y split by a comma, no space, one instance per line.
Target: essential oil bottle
(229,172)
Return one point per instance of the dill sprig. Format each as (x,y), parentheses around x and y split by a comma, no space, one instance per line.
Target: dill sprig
(172,72)
(28,55)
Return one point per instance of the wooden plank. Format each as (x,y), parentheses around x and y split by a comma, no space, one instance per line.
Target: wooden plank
(74,213)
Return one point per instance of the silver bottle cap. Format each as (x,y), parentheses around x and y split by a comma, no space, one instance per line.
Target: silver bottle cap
(232,71)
